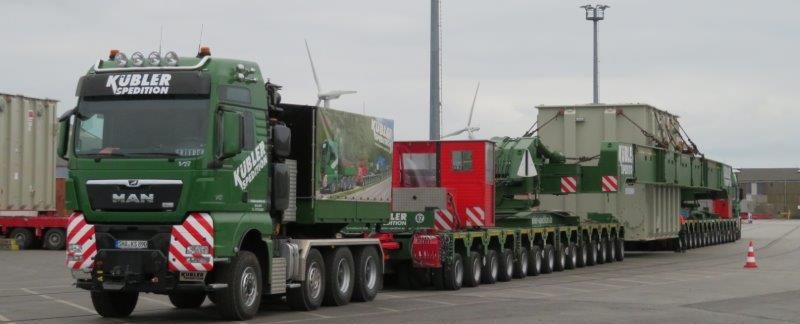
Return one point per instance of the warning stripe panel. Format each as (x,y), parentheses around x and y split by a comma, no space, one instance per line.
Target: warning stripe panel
(82,234)
(569,184)
(609,184)
(196,230)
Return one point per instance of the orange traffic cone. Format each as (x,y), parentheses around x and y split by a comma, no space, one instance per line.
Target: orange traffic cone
(751,257)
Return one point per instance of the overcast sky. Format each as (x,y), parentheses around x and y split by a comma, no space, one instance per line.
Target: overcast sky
(728,68)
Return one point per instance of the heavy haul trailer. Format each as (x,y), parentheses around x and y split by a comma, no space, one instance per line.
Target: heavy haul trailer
(30,195)
(190,179)
(641,167)
(465,214)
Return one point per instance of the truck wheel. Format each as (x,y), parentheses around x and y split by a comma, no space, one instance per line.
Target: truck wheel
(114,304)
(187,299)
(55,239)
(339,270)
(560,257)
(453,274)
(506,269)
(521,266)
(472,269)
(23,236)
(369,274)
(601,251)
(548,258)
(240,301)
(572,257)
(310,293)
(611,254)
(489,272)
(591,250)
(689,240)
(535,260)
(581,255)
(620,249)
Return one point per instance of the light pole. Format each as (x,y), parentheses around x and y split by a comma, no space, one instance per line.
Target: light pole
(436,101)
(595,13)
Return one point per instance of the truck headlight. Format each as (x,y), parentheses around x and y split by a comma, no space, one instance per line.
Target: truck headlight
(196,249)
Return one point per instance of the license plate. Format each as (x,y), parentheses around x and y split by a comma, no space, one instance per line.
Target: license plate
(130,244)
(193,276)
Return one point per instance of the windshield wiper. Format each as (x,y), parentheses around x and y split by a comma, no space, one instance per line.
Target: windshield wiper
(99,156)
(171,154)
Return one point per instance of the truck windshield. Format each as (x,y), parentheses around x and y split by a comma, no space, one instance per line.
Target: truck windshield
(138,128)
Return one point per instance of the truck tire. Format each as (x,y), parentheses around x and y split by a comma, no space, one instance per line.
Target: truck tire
(453,274)
(601,251)
(55,239)
(620,249)
(369,275)
(339,267)
(535,261)
(521,266)
(580,254)
(548,259)
(689,240)
(114,304)
(611,253)
(23,236)
(490,268)
(591,253)
(472,269)
(572,257)
(309,295)
(506,262)
(560,255)
(187,299)
(241,299)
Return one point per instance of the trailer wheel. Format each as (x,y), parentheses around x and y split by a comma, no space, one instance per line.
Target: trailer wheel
(620,249)
(591,249)
(114,304)
(339,270)
(611,254)
(187,299)
(548,258)
(689,240)
(472,269)
(535,261)
(521,266)
(560,255)
(310,293)
(580,255)
(453,274)
(601,250)
(369,274)
(489,273)
(23,236)
(55,239)
(572,257)
(506,265)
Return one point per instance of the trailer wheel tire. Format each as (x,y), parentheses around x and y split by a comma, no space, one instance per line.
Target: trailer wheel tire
(572,257)
(490,268)
(453,274)
(55,239)
(522,264)
(535,261)
(472,269)
(548,259)
(311,292)
(187,299)
(506,265)
(591,249)
(241,299)
(369,275)
(611,253)
(23,236)
(581,255)
(114,304)
(339,269)
(601,251)
(620,249)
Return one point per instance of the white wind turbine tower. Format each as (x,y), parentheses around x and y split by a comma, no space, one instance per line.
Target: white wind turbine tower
(322,96)
(469,129)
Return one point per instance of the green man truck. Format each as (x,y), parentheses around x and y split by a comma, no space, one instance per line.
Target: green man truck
(189,178)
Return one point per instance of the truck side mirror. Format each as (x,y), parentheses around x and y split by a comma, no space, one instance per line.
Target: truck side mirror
(231,123)
(282,140)
(64,124)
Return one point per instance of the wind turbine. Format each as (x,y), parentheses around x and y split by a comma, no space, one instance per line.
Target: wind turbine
(324,97)
(469,129)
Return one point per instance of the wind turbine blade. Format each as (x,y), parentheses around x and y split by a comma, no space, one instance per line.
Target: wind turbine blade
(455,133)
(318,102)
(313,69)
(472,109)
(333,94)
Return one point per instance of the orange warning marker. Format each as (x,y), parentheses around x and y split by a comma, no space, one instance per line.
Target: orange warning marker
(751,257)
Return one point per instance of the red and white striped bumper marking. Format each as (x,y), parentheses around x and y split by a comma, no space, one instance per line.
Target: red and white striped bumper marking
(80,234)
(197,230)
(475,217)
(609,184)
(569,184)
(444,220)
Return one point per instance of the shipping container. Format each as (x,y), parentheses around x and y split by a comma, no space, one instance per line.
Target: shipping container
(27,155)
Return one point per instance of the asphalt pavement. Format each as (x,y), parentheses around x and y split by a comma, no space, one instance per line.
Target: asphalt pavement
(705,285)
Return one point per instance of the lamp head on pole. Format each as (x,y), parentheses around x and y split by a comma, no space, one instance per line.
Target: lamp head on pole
(595,12)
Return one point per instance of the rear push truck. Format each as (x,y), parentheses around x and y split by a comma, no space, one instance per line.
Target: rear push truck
(189,178)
